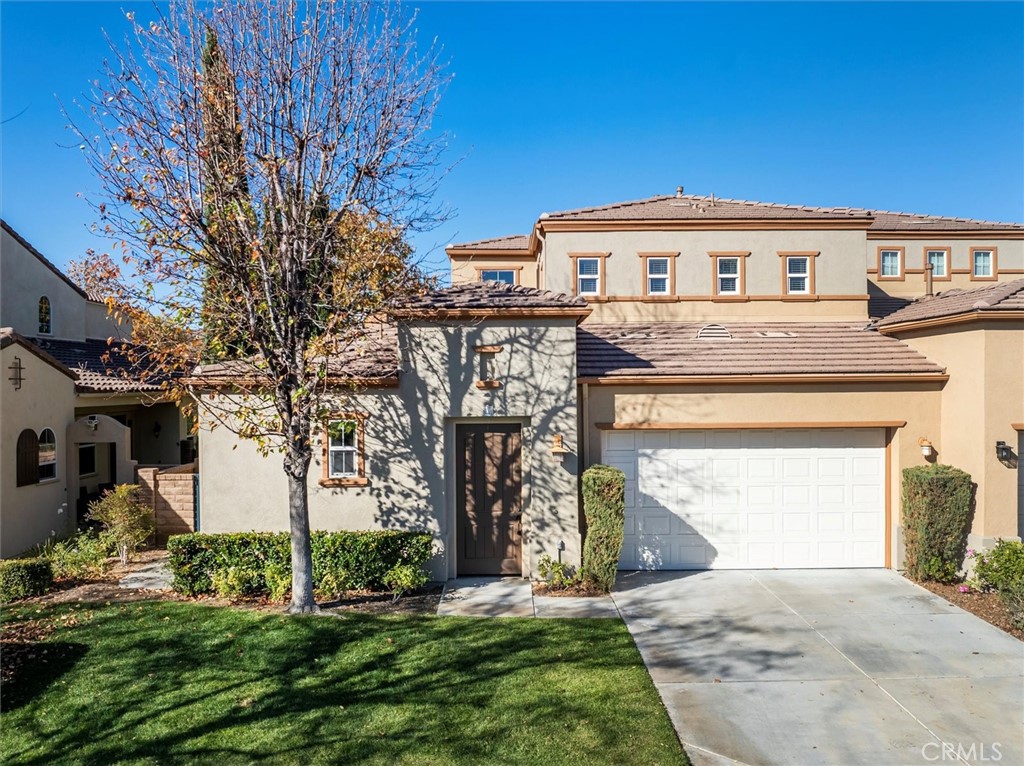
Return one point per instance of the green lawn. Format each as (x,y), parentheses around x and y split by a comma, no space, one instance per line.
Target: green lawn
(176,683)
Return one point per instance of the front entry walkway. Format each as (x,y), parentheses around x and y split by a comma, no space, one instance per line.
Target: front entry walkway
(513,597)
(824,667)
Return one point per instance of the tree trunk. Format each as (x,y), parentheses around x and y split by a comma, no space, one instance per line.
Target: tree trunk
(302,554)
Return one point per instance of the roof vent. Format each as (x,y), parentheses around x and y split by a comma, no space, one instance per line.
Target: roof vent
(679,191)
(777,334)
(713,332)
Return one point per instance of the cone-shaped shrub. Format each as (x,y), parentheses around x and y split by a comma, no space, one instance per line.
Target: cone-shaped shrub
(604,503)
(936,519)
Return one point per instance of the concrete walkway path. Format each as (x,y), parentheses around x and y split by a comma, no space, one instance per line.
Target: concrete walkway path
(513,597)
(825,667)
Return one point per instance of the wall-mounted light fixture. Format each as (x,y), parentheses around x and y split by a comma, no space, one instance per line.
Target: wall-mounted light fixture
(92,422)
(1003,451)
(558,447)
(927,448)
(157,429)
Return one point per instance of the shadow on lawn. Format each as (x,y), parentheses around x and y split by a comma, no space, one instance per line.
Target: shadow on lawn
(361,688)
(38,666)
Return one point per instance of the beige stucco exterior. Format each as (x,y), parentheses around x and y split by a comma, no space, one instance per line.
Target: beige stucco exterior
(467,268)
(409,443)
(911,283)
(982,400)
(31,514)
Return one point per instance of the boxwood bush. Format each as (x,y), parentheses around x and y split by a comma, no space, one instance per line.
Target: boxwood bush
(937,503)
(259,563)
(21,578)
(1002,570)
(604,503)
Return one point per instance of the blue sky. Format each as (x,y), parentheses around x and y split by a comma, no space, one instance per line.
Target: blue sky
(915,106)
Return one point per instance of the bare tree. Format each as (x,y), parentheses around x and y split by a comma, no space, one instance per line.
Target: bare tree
(262,165)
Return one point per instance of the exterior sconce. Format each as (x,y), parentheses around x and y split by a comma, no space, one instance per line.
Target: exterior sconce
(927,448)
(157,429)
(92,422)
(559,448)
(1003,451)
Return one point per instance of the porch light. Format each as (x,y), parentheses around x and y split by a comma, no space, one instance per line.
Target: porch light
(559,448)
(927,449)
(1003,451)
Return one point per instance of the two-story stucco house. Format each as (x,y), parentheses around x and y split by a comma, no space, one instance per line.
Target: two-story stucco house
(761,372)
(71,422)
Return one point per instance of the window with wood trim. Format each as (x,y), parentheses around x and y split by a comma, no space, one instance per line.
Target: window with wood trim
(508,276)
(588,276)
(47,455)
(45,316)
(28,458)
(344,448)
(657,276)
(938,257)
(798,275)
(727,275)
(890,263)
(983,263)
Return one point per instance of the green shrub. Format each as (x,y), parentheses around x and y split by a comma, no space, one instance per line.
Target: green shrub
(556,573)
(259,563)
(936,519)
(605,507)
(128,522)
(81,557)
(1012,596)
(21,578)
(404,578)
(1004,564)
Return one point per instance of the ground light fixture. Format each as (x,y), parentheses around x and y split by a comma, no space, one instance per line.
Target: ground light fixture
(927,448)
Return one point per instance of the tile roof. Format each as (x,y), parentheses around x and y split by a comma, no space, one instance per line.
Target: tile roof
(373,356)
(42,259)
(993,297)
(696,207)
(9,336)
(755,348)
(510,242)
(880,306)
(491,295)
(100,366)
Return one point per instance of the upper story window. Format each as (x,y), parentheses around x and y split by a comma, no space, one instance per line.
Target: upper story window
(508,276)
(890,263)
(344,463)
(45,317)
(47,455)
(983,263)
(798,275)
(588,276)
(938,257)
(657,276)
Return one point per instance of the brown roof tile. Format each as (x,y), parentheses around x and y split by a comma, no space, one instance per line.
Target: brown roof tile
(754,348)
(101,367)
(994,297)
(492,295)
(510,242)
(696,207)
(880,306)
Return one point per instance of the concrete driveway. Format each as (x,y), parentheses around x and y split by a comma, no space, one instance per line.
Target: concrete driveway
(838,667)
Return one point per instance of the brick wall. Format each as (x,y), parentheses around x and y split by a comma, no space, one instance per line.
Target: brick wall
(169,492)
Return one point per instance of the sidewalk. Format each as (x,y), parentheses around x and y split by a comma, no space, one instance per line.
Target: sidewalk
(513,597)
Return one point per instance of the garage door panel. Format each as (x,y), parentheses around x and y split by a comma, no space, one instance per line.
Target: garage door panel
(619,441)
(758,498)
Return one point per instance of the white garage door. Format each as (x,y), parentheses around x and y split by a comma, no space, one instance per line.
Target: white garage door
(751,499)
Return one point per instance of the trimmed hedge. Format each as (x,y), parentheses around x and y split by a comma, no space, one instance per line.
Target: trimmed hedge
(259,563)
(937,503)
(21,578)
(604,503)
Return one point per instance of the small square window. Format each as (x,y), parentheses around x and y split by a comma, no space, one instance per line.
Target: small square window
(657,276)
(588,276)
(797,272)
(890,264)
(508,276)
(982,263)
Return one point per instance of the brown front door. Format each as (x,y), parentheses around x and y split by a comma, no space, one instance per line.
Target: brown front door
(490,499)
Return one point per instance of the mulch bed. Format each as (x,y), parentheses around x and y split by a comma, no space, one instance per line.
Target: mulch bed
(987,606)
(544,589)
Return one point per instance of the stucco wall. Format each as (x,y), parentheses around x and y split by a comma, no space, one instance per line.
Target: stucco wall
(410,451)
(838,269)
(467,268)
(917,404)
(29,515)
(984,396)
(1010,262)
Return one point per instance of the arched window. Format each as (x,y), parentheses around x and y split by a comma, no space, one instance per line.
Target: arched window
(45,317)
(28,458)
(47,455)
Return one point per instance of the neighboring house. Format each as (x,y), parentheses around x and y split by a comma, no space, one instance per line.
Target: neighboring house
(761,372)
(71,422)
